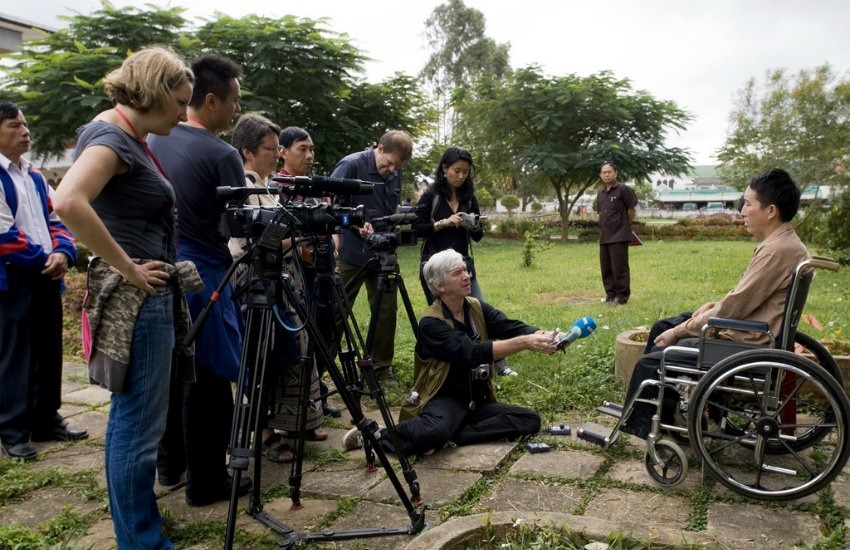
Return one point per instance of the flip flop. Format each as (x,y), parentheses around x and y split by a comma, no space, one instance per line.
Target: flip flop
(277,451)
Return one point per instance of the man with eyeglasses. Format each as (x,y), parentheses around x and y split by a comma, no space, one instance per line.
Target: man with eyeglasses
(382,165)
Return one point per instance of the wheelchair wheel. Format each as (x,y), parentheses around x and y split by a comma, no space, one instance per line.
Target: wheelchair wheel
(741,446)
(673,467)
(821,355)
(816,428)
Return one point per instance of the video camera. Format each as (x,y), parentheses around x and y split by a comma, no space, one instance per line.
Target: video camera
(252,222)
(390,233)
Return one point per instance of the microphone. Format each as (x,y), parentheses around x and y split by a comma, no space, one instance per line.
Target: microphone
(317,186)
(396,219)
(582,328)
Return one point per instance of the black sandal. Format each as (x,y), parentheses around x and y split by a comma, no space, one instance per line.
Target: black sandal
(277,451)
(316,434)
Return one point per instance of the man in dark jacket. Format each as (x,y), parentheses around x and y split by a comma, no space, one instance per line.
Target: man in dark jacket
(35,252)
(615,203)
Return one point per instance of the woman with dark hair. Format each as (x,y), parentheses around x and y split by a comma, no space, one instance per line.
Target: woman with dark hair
(447,216)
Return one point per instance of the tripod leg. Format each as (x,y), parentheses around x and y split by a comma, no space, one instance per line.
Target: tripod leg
(305,377)
(375,312)
(367,426)
(408,307)
(247,411)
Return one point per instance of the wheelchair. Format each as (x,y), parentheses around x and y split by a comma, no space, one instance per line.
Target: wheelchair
(764,421)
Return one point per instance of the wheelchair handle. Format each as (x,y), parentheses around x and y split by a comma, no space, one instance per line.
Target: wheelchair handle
(824,262)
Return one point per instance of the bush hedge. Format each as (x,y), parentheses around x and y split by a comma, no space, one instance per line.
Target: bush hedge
(715,227)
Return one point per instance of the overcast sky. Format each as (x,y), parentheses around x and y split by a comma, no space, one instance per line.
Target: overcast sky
(698,54)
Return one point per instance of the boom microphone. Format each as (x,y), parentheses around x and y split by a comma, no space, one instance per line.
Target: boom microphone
(396,219)
(582,328)
(317,186)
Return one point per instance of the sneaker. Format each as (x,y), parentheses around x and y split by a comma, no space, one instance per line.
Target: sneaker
(507,371)
(352,439)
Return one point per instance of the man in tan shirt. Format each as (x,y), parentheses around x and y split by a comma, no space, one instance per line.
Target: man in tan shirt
(771,200)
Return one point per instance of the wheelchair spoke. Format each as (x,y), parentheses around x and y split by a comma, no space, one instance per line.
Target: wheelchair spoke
(762,442)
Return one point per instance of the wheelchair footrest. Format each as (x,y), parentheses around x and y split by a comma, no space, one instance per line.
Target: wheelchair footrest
(611,409)
(597,434)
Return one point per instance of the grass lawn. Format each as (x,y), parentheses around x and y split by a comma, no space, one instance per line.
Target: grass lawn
(564,283)
(668,277)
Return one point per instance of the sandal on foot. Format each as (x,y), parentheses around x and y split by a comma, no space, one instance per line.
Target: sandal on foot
(277,451)
(317,434)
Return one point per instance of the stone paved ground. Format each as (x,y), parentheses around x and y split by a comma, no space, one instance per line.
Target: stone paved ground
(502,485)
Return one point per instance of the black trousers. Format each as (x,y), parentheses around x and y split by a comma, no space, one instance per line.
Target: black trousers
(30,355)
(614,264)
(200,416)
(171,456)
(639,421)
(447,419)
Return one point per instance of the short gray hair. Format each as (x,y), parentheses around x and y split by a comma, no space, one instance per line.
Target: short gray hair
(439,266)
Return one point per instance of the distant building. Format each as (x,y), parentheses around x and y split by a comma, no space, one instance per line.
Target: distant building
(700,177)
(14,30)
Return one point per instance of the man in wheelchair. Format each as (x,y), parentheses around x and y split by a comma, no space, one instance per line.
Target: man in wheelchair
(771,200)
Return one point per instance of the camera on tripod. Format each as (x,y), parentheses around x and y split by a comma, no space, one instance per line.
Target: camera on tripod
(271,224)
(481,372)
(324,219)
(391,231)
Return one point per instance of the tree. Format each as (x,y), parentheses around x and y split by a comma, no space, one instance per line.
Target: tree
(461,53)
(299,73)
(801,124)
(511,203)
(57,80)
(296,73)
(485,199)
(563,128)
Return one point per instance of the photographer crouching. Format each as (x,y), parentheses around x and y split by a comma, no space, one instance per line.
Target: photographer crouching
(452,400)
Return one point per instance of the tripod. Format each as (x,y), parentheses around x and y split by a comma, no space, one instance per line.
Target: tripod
(389,278)
(268,292)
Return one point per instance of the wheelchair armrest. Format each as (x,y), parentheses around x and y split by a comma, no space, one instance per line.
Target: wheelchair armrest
(737,324)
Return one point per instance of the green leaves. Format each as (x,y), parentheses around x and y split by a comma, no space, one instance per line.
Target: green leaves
(297,72)
(560,129)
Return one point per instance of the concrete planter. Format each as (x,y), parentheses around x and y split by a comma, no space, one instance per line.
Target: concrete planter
(843,362)
(628,349)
